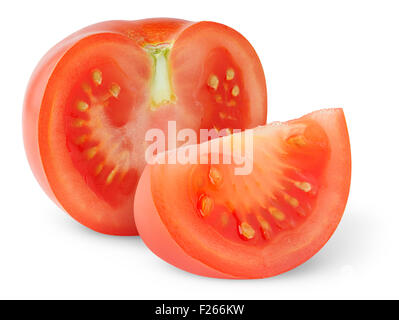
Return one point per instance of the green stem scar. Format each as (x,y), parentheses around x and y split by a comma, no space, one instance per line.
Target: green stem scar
(161,82)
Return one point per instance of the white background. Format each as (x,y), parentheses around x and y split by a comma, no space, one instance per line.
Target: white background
(315,54)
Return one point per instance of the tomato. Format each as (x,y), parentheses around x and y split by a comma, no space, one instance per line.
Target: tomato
(204,218)
(93,97)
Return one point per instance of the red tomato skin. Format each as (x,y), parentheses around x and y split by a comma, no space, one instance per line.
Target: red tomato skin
(155,234)
(333,198)
(149,29)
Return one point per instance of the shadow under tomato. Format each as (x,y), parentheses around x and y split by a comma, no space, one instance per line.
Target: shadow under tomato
(347,249)
(63,223)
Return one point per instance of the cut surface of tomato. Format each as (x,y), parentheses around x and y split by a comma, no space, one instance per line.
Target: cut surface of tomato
(94,96)
(213,222)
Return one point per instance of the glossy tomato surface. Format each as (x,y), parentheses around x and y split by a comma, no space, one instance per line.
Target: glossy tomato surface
(206,219)
(93,97)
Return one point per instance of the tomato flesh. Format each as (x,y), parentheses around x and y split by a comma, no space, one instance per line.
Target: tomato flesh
(95,95)
(223,92)
(215,223)
(96,117)
(295,159)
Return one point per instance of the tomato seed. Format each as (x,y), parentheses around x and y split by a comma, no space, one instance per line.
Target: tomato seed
(215,176)
(115,90)
(291,200)
(91,152)
(298,140)
(213,82)
(78,123)
(80,140)
(82,106)
(304,186)
(99,168)
(235,91)
(205,205)
(97,77)
(111,176)
(246,230)
(230,74)
(277,214)
(231,103)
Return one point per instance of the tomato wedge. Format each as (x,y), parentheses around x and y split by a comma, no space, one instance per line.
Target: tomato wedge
(204,218)
(93,97)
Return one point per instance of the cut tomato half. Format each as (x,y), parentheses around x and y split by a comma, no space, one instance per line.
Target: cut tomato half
(207,219)
(95,95)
